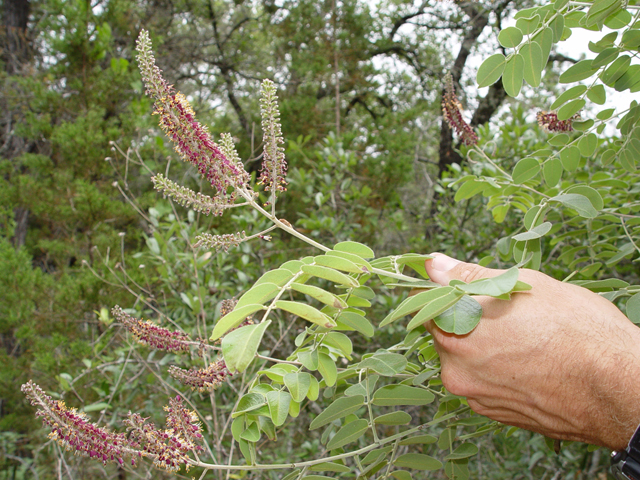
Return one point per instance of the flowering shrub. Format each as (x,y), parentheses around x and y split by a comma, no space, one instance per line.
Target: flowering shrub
(366,429)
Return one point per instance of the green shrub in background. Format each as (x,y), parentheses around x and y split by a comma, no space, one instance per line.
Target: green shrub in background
(587,214)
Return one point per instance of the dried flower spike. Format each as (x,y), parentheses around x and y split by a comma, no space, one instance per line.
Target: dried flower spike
(188,198)
(549,122)
(204,379)
(192,140)
(148,333)
(220,242)
(452,113)
(72,429)
(274,166)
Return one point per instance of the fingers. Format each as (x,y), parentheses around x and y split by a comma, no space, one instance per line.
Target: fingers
(442,269)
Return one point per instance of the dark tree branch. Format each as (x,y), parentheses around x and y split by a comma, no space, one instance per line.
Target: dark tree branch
(403,20)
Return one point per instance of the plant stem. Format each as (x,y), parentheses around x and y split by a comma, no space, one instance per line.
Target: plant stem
(310,463)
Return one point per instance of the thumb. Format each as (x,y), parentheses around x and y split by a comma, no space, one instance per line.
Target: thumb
(442,269)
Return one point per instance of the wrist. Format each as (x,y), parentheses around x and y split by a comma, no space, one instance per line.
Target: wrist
(618,392)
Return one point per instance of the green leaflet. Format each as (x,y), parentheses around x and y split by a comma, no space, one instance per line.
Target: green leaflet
(330,467)
(396,395)
(240,346)
(349,433)
(342,407)
(525,169)
(401,475)
(356,248)
(327,368)
(570,158)
(420,439)
(278,402)
(248,403)
(597,94)
(552,171)
(258,294)
(233,319)
(339,341)
(588,144)
(366,387)
(330,274)
(319,294)
(601,9)
(579,203)
(569,94)
(435,308)
(536,232)
(385,363)
(307,312)
(357,322)
(415,303)
(591,193)
(461,318)
(418,461)
(393,418)
(633,309)
(605,57)
(351,257)
(338,263)
(615,70)
(491,70)
(513,75)
(533,63)
(280,276)
(571,108)
(510,37)
(581,70)
(465,450)
(528,25)
(298,385)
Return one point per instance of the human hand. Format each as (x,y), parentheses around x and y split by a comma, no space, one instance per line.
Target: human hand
(559,359)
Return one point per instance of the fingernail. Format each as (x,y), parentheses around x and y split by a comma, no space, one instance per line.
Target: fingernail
(443,263)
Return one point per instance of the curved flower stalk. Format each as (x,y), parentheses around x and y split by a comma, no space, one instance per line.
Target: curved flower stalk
(452,113)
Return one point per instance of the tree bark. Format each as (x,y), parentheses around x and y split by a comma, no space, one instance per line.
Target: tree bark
(15,45)
(15,54)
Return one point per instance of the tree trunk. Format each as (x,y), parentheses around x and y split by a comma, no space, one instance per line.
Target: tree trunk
(14,42)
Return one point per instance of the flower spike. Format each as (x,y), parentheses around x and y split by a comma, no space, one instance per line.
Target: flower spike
(192,140)
(72,429)
(274,166)
(148,333)
(452,113)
